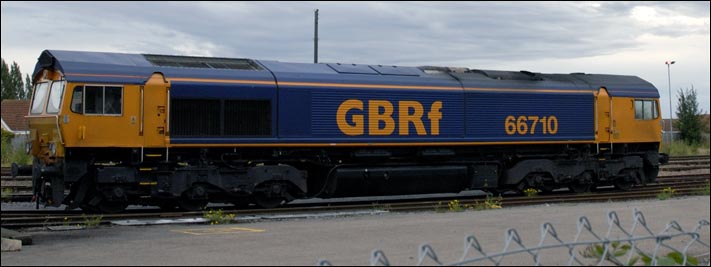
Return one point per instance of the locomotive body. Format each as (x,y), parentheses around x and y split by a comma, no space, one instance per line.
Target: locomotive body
(116,129)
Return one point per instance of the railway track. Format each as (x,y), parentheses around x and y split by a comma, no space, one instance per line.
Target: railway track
(683,185)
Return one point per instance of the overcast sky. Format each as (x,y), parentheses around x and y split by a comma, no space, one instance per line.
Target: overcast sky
(628,38)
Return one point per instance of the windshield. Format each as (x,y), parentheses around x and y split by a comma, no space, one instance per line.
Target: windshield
(40,94)
(55,96)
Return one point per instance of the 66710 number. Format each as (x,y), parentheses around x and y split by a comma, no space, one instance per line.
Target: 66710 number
(524,125)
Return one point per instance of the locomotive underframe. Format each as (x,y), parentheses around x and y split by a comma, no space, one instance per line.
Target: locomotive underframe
(191,177)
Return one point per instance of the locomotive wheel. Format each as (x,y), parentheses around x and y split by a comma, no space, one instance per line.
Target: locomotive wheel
(111,206)
(168,206)
(194,199)
(579,188)
(192,204)
(623,185)
(267,202)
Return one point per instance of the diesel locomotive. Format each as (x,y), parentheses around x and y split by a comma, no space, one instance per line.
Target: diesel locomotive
(112,129)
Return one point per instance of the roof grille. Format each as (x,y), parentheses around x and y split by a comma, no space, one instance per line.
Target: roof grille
(202,62)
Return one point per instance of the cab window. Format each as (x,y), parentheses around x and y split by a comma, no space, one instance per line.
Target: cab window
(645,109)
(55,97)
(97,100)
(38,100)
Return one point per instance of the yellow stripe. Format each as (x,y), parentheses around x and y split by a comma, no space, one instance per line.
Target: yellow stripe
(378,86)
(145,169)
(347,85)
(148,183)
(530,90)
(153,155)
(381,144)
(381,86)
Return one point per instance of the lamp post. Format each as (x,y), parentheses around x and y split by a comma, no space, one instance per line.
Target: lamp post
(671,114)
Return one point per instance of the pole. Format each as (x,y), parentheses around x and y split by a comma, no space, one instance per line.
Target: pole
(671,114)
(316,36)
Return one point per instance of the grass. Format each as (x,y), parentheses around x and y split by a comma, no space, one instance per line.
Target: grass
(12,154)
(679,148)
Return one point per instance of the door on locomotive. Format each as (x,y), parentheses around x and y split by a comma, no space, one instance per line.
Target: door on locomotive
(604,126)
(154,114)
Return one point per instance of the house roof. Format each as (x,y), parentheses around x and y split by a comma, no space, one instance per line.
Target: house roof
(13,114)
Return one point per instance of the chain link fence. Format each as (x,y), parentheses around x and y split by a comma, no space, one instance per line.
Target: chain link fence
(636,245)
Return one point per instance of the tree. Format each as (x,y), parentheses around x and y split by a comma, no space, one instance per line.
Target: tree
(7,89)
(28,88)
(689,123)
(18,86)
(12,85)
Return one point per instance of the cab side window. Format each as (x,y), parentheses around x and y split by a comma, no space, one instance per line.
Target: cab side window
(98,100)
(645,109)
(78,100)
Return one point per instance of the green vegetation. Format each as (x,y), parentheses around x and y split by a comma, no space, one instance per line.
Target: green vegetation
(489,203)
(218,217)
(704,191)
(6,194)
(689,114)
(12,154)
(683,149)
(91,221)
(531,192)
(616,252)
(12,85)
(666,193)
(455,206)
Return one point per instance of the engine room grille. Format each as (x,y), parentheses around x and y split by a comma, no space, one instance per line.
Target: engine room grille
(218,117)
(248,117)
(195,117)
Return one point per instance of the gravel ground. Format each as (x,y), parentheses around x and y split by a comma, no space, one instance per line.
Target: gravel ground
(350,240)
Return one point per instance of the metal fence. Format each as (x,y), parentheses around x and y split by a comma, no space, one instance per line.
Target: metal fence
(672,246)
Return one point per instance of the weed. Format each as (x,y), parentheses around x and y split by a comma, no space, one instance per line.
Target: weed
(489,203)
(7,194)
(531,192)
(615,251)
(89,221)
(666,193)
(218,217)
(454,205)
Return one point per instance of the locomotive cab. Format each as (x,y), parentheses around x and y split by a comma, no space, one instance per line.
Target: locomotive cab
(46,142)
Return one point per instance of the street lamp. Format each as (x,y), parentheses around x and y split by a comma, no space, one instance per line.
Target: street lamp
(671,114)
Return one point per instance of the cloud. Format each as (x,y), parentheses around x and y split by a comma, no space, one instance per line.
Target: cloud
(464,34)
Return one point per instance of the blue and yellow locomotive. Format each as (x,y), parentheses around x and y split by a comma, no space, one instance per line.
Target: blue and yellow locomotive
(115,129)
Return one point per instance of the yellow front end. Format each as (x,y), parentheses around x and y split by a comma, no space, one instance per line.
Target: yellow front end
(46,141)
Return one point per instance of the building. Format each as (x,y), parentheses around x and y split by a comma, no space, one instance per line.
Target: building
(13,119)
